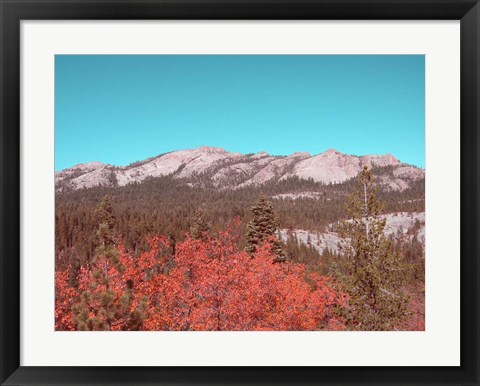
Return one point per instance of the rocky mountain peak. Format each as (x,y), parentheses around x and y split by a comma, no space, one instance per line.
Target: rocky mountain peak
(331,151)
(300,154)
(234,170)
(211,149)
(260,154)
(380,160)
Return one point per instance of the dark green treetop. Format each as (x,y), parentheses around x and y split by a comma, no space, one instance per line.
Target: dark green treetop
(200,228)
(262,227)
(101,306)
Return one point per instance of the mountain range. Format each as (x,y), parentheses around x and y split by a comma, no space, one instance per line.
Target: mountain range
(232,170)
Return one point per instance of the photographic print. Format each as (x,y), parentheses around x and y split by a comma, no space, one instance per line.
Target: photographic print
(239,193)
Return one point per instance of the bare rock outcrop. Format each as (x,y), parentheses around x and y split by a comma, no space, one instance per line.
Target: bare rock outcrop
(234,170)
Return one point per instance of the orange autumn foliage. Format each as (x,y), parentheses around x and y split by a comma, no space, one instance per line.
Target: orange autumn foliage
(64,295)
(208,285)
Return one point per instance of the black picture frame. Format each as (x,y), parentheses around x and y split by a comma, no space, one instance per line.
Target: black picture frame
(13,11)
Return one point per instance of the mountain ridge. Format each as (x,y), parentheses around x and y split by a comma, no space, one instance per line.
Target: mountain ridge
(235,170)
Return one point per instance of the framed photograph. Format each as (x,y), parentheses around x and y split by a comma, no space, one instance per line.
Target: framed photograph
(235,192)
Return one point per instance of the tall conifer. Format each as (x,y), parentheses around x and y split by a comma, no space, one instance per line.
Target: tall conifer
(200,227)
(102,307)
(372,275)
(263,226)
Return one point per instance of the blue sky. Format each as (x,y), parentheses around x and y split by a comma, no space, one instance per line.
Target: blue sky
(119,109)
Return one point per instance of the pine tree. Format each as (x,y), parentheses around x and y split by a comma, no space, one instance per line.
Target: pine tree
(372,275)
(106,300)
(200,228)
(106,224)
(262,227)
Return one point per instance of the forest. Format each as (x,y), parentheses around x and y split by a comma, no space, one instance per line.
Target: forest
(165,255)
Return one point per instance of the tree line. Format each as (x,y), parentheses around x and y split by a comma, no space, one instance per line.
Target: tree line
(168,206)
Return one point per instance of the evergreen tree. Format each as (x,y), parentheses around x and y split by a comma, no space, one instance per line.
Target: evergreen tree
(200,227)
(262,227)
(107,301)
(106,224)
(372,275)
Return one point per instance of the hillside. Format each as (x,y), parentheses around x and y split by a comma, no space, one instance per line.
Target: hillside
(399,225)
(165,205)
(163,197)
(221,169)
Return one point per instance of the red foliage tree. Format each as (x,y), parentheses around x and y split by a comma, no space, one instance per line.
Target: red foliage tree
(208,285)
(64,295)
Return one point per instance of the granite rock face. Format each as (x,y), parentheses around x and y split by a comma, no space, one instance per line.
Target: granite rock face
(234,170)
